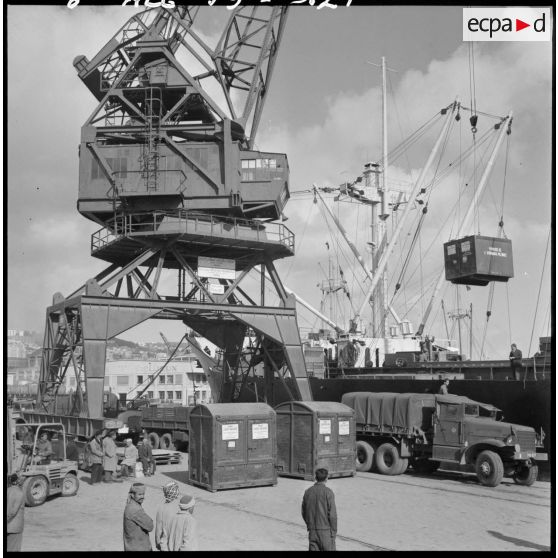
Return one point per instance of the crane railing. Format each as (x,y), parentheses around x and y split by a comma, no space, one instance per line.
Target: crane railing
(180,221)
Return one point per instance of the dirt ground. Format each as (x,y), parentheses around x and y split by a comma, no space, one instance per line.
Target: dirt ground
(445,511)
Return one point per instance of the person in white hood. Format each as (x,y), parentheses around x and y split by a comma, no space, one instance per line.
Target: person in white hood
(181,532)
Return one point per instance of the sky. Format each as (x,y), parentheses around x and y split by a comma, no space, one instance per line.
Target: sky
(324,111)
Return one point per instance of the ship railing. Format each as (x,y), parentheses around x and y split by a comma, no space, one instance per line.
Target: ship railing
(140,224)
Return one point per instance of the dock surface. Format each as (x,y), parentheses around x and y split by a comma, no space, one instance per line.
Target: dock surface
(444,511)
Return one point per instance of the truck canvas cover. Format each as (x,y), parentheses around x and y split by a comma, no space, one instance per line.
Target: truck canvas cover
(396,412)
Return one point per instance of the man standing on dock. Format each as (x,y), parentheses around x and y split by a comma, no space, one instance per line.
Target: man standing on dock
(320,514)
(515,361)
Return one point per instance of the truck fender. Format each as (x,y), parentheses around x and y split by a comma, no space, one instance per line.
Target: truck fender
(470,454)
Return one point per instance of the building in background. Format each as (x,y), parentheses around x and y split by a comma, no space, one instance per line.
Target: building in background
(181,381)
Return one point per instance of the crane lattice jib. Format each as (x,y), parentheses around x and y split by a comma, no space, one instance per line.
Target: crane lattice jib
(245,58)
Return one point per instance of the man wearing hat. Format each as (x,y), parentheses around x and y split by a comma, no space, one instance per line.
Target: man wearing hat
(166,511)
(182,529)
(137,524)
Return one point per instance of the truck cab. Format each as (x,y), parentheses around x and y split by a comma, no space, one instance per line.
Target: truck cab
(467,432)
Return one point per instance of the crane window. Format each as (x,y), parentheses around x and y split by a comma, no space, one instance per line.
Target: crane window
(258,169)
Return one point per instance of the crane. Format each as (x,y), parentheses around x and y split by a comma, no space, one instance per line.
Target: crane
(170,173)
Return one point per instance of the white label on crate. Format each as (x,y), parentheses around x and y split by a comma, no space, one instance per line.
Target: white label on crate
(344,429)
(326,438)
(325,426)
(231,444)
(229,431)
(260,431)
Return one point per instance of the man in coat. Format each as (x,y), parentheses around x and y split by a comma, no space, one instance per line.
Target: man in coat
(320,514)
(516,361)
(181,532)
(165,512)
(96,456)
(137,524)
(110,460)
(146,456)
(15,506)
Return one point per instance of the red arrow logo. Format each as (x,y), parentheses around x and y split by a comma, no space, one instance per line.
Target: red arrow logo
(519,25)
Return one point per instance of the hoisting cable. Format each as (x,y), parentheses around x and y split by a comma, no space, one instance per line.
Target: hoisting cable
(299,242)
(500,234)
(539,293)
(423,215)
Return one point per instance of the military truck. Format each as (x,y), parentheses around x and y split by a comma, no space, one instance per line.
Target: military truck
(166,425)
(422,430)
(43,472)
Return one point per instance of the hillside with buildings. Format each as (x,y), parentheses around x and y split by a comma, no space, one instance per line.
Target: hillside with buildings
(132,370)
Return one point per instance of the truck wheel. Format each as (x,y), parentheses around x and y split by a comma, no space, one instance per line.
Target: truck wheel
(35,490)
(166,442)
(489,468)
(388,461)
(70,485)
(364,456)
(154,440)
(526,475)
(404,463)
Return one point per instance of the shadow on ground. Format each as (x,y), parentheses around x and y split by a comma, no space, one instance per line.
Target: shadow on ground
(520,542)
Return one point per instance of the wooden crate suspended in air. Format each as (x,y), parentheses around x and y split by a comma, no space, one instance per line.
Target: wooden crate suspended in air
(478,260)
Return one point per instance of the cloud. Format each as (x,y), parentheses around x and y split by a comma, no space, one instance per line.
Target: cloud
(48,241)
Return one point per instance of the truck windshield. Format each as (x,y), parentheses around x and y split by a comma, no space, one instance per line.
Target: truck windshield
(472,410)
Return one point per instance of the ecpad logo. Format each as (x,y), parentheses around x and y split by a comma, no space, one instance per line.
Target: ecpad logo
(507,24)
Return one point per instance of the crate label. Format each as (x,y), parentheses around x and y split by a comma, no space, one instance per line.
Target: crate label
(466,246)
(451,249)
(326,438)
(344,429)
(325,426)
(231,444)
(260,431)
(229,431)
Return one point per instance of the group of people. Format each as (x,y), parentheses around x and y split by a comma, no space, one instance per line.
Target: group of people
(175,525)
(104,459)
(176,529)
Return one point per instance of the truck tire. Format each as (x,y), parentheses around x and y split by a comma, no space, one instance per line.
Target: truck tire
(70,485)
(526,475)
(166,442)
(35,490)
(154,440)
(404,464)
(489,468)
(387,460)
(364,456)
